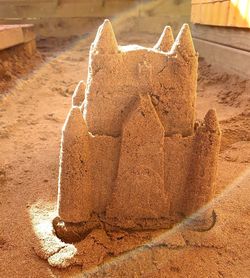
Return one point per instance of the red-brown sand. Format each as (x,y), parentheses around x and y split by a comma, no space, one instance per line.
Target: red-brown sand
(31,118)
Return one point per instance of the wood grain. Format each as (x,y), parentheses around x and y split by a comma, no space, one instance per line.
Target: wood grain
(226,58)
(233,37)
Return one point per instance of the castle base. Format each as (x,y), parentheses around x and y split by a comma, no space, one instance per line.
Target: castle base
(202,222)
(74,232)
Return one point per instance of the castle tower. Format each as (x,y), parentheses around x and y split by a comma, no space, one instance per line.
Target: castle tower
(75,189)
(79,94)
(140,178)
(204,163)
(174,85)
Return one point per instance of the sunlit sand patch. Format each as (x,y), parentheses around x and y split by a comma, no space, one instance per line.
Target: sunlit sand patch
(113,248)
(96,247)
(49,246)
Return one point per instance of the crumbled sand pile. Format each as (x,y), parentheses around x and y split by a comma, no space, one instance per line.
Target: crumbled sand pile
(16,62)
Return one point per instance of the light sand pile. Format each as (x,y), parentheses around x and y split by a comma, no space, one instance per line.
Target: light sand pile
(16,62)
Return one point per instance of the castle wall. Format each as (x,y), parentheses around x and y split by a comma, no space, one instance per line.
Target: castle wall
(103,174)
(178,154)
(105,152)
(117,75)
(145,73)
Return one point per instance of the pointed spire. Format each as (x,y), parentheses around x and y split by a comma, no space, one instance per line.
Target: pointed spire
(105,40)
(166,40)
(211,121)
(75,188)
(75,123)
(184,43)
(79,94)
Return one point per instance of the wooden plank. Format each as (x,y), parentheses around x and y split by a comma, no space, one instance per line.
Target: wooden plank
(239,13)
(196,13)
(10,36)
(53,8)
(214,1)
(28,32)
(155,24)
(58,27)
(223,8)
(95,8)
(215,13)
(233,37)
(226,58)
(28,10)
(24,2)
(63,27)
(234,13)
(207,1)
(170,8)
(205,13)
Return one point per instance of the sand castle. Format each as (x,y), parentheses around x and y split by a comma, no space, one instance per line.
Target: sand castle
(132,156)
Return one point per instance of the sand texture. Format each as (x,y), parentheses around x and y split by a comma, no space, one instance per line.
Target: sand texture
(79,94)
(31,120)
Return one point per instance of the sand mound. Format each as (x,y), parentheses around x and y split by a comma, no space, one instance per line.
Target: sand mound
(16,62)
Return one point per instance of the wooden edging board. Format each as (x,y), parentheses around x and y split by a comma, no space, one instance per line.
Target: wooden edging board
(11,35)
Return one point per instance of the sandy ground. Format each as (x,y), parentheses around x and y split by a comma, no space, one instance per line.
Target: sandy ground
(31,118)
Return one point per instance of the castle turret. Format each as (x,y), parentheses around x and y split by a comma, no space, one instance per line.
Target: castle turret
(183,44)
(79,94)
(75,194)
(174,86)
(105,41)
(204,163)
(166,40)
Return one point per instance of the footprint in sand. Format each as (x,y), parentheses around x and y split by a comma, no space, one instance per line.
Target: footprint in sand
(52,117)
(62,92)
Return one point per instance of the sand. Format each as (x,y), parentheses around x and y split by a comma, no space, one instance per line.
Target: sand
(30,141)
(16,62)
